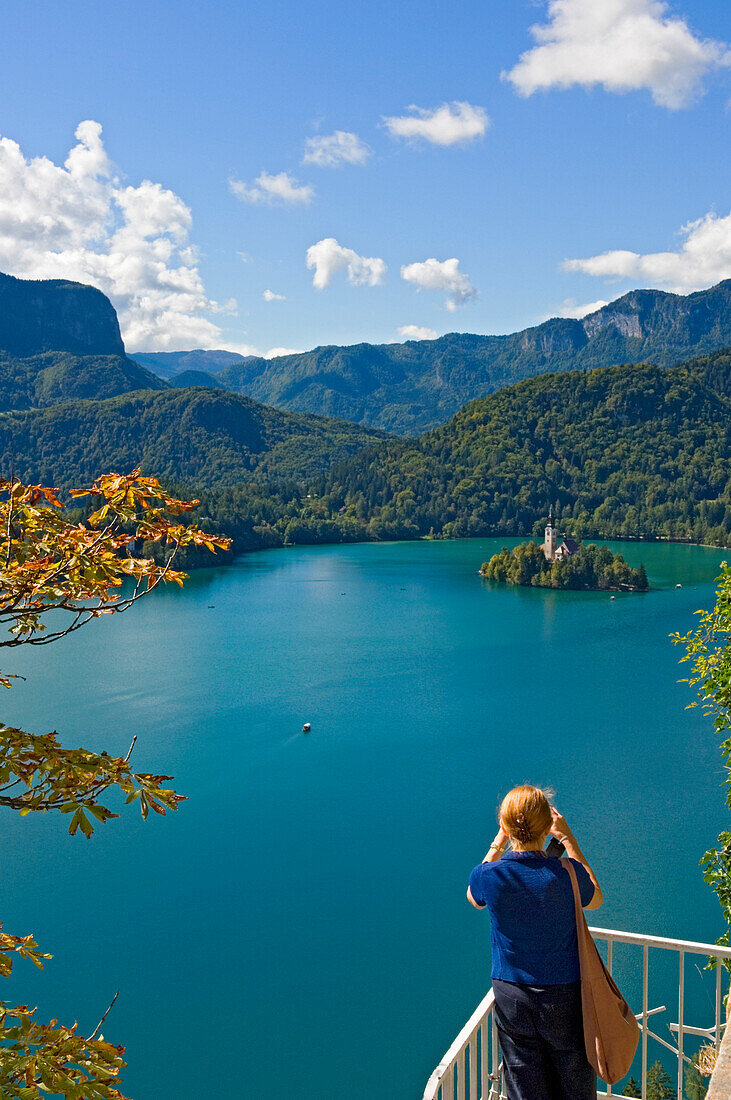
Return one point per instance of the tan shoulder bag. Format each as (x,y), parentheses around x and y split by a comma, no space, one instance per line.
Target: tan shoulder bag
(610,1029)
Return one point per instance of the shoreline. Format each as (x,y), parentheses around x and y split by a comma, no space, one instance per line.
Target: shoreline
(236,556)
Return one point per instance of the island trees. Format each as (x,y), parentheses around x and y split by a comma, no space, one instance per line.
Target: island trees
(590,567)
(56,576)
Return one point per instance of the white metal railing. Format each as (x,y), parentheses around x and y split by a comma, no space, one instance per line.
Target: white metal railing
(471,1068)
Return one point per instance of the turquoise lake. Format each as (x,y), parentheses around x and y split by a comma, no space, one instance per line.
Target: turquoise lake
(299,927)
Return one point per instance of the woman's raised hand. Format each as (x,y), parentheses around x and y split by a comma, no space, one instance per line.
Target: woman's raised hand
(559,826)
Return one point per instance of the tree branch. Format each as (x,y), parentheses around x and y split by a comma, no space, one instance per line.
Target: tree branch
(98,1026)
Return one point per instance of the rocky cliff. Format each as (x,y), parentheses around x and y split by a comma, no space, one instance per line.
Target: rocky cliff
(60,341)
(56,315)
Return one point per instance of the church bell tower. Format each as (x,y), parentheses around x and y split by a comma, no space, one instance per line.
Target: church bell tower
(550,539)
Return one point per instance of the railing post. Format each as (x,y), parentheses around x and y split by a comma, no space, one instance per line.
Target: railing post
(495,1081)
(610,955)
(473,1068)
(681,998)
(485,1057)
(645,971)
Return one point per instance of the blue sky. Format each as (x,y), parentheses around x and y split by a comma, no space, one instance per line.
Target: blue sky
(610,136)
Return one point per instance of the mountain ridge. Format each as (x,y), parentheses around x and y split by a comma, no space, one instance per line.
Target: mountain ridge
(168,364)
(411,387)
(61,341)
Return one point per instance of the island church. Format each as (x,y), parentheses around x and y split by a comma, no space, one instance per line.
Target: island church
(552,551)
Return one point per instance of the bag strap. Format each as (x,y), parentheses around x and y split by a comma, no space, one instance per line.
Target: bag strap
(584,938)
(578,907)
(581,925)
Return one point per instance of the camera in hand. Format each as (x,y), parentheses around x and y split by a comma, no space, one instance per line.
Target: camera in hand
(555,848)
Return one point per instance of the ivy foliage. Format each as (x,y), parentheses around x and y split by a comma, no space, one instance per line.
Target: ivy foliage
(708,649)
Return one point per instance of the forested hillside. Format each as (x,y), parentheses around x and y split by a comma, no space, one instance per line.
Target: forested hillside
(184,436)
(627,451)
(408,388)
(55,376)
(637,451)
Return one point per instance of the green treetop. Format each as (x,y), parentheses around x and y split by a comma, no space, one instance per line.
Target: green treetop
(658,1083)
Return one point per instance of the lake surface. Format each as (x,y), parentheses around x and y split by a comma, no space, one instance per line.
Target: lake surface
(299,927)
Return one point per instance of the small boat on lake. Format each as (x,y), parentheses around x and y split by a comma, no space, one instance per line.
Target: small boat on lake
(307,727)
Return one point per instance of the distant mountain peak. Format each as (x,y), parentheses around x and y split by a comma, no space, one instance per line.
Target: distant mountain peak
(167,364)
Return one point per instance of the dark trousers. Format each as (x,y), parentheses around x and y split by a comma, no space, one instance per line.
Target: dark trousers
(541,1036)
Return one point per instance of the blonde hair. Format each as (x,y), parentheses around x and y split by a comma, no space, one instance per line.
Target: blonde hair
(525,814)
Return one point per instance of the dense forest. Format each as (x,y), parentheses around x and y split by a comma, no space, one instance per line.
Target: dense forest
(590,567)
(631,452)
(623,452)
(627,452)
(52,377)
(408,388)
(190,437)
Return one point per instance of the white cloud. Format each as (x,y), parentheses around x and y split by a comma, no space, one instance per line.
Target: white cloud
(445,275)
(703,259)
(78,222)
(623,45)
(274,353)
(416,332)
(570,308)
(451,124)
(270,296)
(281,188)
(328,257)
(243,349)
(331,150)
(249,350)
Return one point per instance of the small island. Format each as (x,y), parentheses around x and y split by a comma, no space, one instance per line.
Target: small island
(571,565)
